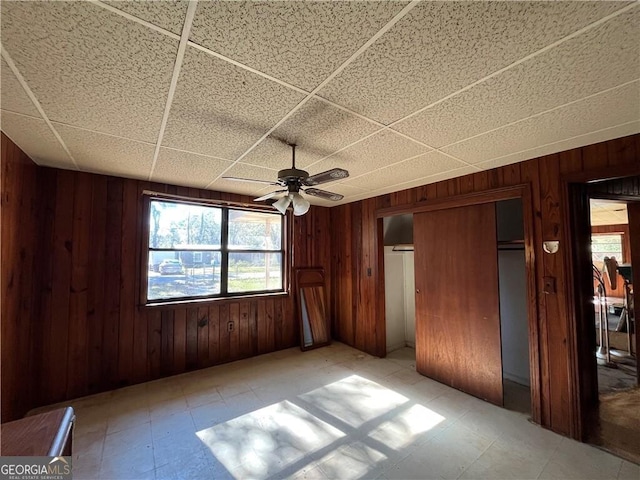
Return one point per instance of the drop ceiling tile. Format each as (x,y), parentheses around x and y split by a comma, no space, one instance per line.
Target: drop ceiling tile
(14,98)
(601,58)
(603,135)
(605,212)
(189,169)
(318,129)
(90,67)
(168,14)
(35,139)
(242,170)
(440,47)
(377,151)
(615,107)
(298,42)
(431,163)
(220,109)
(275,154)
(105,154)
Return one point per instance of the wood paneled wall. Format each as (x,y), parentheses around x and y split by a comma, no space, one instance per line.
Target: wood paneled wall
(77,237)
(356,264)
(19,277)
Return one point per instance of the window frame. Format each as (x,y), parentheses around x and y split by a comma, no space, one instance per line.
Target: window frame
(225,206)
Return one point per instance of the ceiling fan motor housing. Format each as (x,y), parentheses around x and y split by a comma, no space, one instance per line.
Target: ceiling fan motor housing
(292,177)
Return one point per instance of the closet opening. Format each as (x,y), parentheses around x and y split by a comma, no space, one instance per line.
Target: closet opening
(458,265)
(514,326)
(399,283)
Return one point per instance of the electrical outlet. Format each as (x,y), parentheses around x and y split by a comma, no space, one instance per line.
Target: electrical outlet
(230,327)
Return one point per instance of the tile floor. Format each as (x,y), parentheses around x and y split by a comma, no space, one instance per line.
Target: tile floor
(328,413)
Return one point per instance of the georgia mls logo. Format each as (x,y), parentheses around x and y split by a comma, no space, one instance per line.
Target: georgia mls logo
(35,468)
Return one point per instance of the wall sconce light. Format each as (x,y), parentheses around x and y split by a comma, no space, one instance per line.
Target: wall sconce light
(551,246)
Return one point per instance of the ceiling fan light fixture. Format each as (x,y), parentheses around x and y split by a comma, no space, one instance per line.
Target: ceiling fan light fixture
(300,204)
(282,204)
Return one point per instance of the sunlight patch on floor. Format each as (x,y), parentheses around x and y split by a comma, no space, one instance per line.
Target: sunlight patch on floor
(354,400)
(264,441)
(407,427)
(362,423)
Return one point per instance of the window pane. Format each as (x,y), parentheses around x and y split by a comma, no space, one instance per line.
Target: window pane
(254,230)
(185,273)
(182,226)
(251,272)
(606,246)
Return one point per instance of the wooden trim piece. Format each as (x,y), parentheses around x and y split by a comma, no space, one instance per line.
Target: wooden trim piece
(580,369)
(494,195)
(528,216)
(634,238)
(380,320)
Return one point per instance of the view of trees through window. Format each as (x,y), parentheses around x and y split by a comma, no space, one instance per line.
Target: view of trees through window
(606,246)
(200,251)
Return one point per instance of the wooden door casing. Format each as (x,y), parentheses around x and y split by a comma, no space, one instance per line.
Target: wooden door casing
(633,209)
(457,299)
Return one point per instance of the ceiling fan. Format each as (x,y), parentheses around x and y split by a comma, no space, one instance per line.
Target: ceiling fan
(293,181)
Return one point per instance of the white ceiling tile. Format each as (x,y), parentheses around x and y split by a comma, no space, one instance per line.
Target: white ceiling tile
(275,154)
(607,212)
(441,47)
(603,135)
(168,14)
(105,154)
(377,151)
(14,98)
(298,42)
(431,163)
(242,170)
(615,107)
(190,169)
(35,139)
(599,59)
(318,129)
(220,109)
(99,71)
(89,67)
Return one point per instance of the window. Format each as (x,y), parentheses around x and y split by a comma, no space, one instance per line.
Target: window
(198,251)
(606,245)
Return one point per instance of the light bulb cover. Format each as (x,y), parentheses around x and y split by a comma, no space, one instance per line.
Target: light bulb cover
(282,204)
(300,204)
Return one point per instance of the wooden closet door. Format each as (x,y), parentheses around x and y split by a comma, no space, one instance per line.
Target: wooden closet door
(457,299)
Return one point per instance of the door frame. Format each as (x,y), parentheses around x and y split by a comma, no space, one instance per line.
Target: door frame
(583,367)
(539,388)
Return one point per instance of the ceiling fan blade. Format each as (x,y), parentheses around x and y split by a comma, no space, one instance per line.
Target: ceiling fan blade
(268,196)
(316,192)
(324,177)
(236,179)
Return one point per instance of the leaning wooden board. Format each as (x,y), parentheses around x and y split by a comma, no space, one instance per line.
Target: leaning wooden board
(47,434)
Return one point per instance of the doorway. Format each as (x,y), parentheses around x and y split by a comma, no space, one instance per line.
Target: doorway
(606,256)
(613,296)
